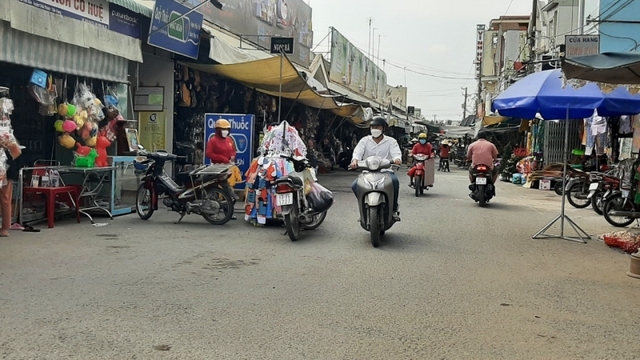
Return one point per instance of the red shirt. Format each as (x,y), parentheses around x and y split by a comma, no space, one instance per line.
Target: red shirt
(482,152)
(444,151)
(425,149)
(220,150)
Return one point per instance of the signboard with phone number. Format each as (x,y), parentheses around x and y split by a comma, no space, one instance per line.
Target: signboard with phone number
(241,133)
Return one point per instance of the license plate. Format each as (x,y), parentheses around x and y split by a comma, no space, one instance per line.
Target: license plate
(594,186)
(284,199)
(590,194)
(481,181)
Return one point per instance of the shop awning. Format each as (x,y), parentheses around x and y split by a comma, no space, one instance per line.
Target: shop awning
(133,6)
(492,120)
(264,76)
(18,47)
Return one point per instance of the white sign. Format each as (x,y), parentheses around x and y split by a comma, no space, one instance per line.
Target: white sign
(479,49)
(581,45)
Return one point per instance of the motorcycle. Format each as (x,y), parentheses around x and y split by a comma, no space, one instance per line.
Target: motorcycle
(600,190)
(201,191)
(418,176)
(290,196)
(482,189)
(375,195)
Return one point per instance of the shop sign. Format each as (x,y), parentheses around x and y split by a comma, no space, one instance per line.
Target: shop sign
(241,133)
(479,49)
(353,70)
(280,44)
(182,36)
(581,45)
(97,12)
(152,126)
(259,20)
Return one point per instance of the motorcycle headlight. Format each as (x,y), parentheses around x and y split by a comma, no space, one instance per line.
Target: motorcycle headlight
(373,164)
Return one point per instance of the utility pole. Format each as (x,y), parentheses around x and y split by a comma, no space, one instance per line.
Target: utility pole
(369,45)
(434,119)
(464,106)
(532,38)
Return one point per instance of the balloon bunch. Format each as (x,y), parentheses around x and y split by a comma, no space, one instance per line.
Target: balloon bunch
(80,121)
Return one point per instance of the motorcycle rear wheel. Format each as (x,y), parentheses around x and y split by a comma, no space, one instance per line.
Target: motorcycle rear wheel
(140,196)
(596,202)
(292,223)
(374,226)
(558,188)
(482,201)
(225,200)
(317,221)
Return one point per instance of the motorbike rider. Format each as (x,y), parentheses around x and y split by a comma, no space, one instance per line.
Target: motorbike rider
(444,155)
(221,148)
(386,147)
(421,148)
(483,152)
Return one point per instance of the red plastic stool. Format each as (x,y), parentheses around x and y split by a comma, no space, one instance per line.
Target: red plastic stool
(51,193)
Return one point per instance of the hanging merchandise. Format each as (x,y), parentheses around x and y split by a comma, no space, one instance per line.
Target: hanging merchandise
(7,139)
(260,201)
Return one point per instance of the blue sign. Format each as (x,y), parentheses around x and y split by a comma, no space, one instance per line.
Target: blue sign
(182,36)
(241,133)
(97,12)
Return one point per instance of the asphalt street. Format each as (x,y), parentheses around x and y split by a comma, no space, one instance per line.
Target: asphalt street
(451,281)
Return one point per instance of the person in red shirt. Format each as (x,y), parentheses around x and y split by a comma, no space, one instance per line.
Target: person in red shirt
(444,155)
(422,147)
(220,148)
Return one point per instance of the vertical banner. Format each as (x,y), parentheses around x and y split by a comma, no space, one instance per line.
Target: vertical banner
(241,133)
(152,130)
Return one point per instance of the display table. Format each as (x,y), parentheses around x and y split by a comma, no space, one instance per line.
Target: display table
(126,183)
(95,190)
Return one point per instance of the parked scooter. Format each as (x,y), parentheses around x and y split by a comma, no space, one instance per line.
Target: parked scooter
(202,191)
(374,192)
(483,188)
(600,189)
(290,196)
(419,183)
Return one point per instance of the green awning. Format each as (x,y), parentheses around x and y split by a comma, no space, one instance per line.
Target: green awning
(134,6)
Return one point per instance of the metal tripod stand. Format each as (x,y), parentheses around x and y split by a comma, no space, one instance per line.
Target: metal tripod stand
(582,235)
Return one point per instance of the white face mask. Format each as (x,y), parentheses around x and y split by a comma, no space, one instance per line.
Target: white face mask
(376,133)
(224,133)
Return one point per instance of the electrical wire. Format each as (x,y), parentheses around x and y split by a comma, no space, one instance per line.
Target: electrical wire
(621,37)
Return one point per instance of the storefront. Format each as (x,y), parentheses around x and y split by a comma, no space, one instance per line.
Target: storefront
(48,53)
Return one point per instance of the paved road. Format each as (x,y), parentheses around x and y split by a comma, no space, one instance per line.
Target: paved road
(452,281)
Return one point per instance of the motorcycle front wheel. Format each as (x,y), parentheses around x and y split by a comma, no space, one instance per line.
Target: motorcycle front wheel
(226,206)
(572,196)
(144,203)
(417,184)
(316,222)
(374,226)
(617,203)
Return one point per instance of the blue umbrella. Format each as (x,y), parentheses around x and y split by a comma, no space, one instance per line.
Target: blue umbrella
(543,93)
(620,102)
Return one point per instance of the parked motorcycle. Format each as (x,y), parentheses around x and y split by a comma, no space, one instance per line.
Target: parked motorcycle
(200,191)
(577,189)
(374,192)
(419,183)
(483,188)
(620,208)
(290,196)
(600,189)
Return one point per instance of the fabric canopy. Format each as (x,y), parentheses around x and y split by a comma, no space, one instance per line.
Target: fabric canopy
(612,68)
(264,76)
(492,120)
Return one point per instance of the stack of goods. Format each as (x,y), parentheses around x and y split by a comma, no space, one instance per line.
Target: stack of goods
(260,203)
(625,240)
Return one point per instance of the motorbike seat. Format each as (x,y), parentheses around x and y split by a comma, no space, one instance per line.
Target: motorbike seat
(296,180)
(172,185)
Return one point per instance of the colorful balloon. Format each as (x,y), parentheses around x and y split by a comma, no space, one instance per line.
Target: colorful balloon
(83,150)
(69,126)
(63,109)
(71,110)
(66,141)
(58,125)
(91,141)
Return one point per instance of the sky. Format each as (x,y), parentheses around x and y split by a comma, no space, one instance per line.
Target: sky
(436,39)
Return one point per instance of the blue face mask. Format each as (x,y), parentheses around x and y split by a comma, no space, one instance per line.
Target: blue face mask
(423,141)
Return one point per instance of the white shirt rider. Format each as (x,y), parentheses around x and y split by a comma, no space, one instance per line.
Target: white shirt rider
(386,148)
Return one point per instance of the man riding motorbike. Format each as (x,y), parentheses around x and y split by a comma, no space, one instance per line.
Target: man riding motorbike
(483,152)
(421,148)
(221,148)
(385,147)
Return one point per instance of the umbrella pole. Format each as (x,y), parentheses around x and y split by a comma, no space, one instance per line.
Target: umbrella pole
(582,235)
